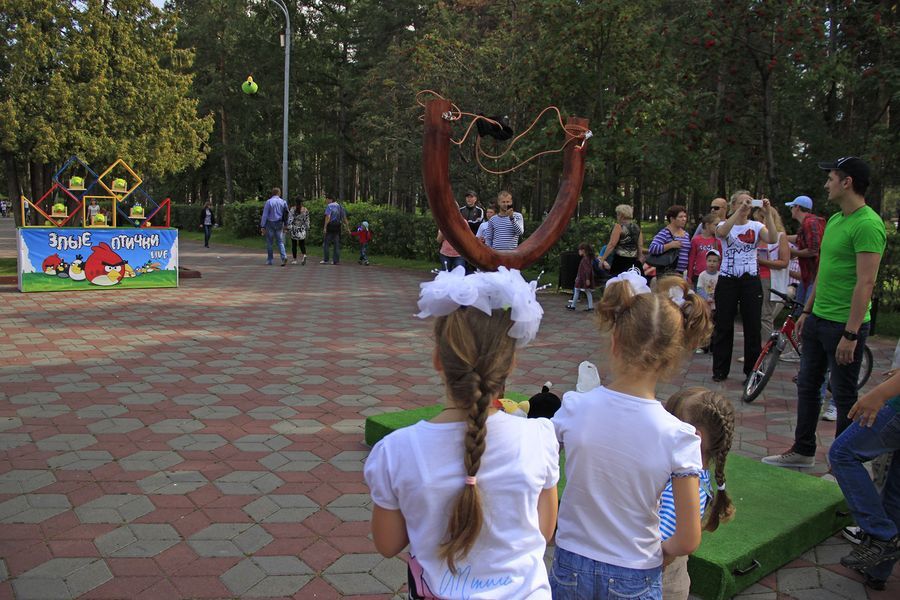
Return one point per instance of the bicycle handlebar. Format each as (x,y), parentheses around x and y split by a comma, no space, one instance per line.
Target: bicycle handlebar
(788,300)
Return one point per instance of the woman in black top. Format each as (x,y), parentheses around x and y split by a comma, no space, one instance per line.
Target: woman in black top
(626,243)
(207,222)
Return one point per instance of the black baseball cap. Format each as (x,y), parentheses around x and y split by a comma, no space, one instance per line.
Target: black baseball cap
(856,168)
(471,193)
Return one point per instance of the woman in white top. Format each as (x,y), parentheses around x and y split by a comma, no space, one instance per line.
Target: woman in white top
(773,262)
(623,448)
(473,490)
(739,283)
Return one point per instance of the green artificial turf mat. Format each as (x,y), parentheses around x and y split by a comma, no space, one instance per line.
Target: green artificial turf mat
(378,426)
(779,515)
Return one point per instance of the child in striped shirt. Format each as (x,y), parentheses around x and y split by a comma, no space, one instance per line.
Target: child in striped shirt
(713,417)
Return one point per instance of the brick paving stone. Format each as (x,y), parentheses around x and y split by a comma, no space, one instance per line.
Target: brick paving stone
(298,426)
(100,411)
(137,540)
(198,442)
(248,483)
(173,482)
(35,398)
(10,423)
(272,413)
(351,507)
(23,481)
(229,539)
(349,460)
(33,508)
(277,508)
(115,425)
(66,441)
(196,399)
(214,412)
(80,460)
(267,576)
(177,426)
(115,508)
(61,579)
(291,461)
(43,411)
(142,398)
(302,400)
(150,460)
(258,442)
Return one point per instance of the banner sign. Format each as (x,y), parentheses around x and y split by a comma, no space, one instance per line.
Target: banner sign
(70,259)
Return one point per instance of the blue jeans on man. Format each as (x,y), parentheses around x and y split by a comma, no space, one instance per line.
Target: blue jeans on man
(575,577)
(820,338)
(877,515)
(275,231)
(334,240)
(451,262)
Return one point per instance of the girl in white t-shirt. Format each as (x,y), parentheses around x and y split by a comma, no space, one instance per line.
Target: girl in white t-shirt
(473,490)
(622,448)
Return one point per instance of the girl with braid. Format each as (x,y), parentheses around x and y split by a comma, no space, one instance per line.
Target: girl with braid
(713,418)
(473,490)
(622,448)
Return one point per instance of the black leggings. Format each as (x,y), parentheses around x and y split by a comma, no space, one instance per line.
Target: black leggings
(295,243)
(731,291)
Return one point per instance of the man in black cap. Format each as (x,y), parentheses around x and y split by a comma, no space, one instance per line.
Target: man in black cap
(835,319)
(471,212)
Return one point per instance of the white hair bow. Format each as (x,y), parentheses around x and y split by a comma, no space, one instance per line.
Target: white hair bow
(634,278)
(503,289)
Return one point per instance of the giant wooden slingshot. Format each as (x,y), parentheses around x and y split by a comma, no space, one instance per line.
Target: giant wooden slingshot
(436,176)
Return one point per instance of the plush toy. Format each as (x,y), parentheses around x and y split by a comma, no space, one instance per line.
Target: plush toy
(519,409)
(544,404)
(588,377)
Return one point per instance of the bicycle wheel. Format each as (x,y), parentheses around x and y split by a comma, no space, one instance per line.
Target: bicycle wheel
(762,371)
(865,367)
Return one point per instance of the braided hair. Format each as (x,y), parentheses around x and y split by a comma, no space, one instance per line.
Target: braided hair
(713,415)
(476,356)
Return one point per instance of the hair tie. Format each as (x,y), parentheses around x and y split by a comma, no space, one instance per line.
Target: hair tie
(634,279)
(470,480)
(721,487)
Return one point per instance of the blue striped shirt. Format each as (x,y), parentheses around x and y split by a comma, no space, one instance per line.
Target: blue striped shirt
(502,233)
(664,237)
(667,505)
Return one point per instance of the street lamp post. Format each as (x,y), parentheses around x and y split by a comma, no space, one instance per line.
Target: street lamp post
(287,77)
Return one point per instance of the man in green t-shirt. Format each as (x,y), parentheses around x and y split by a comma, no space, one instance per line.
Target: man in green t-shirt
(835,319)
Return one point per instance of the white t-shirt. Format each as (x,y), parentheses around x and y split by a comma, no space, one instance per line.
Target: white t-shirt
(419,470)
(739,250)
(621,452)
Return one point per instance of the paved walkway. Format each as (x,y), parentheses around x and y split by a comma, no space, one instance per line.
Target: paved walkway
(206,441)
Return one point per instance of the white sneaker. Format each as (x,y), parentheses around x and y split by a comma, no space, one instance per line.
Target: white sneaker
(294,262)
(741,359)
(830,413)
(852,534)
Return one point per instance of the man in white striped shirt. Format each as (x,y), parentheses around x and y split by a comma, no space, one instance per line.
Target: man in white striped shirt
(504,228)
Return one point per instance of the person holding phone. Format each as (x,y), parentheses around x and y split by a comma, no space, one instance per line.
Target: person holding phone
(739,284)
(505,227)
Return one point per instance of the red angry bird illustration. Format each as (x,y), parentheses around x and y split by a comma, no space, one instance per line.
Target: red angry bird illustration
(50,263)
(103,266)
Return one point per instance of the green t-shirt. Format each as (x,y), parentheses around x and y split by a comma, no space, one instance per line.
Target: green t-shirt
(845,237)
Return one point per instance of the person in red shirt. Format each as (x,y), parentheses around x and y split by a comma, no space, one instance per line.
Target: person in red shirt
(808,240)
(364,235)
(701,244)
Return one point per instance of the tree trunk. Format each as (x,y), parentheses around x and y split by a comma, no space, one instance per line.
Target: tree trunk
(768,134)
(13,186)
(226,164)
(36,173)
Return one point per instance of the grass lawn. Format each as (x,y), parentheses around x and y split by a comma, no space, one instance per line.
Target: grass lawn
(8,266)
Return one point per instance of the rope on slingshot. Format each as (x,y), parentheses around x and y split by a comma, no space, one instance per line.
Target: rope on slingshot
(573,133)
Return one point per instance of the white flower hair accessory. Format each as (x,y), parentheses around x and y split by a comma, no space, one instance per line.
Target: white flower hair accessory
(634,278)
(678,295)
(503,289)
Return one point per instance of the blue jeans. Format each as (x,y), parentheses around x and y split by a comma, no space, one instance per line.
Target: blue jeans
(802,292)
(332,239)
(274,231)
(879,516)
(451,262)
(820,339)
(207,233)
(364,252)
(574,577)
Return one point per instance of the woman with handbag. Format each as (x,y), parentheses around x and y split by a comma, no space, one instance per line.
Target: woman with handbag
(298,224)
(671,247)
(626,243)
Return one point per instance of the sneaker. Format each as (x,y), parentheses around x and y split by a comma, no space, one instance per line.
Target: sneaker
(366,263)
(719,378)
(853,534)
(323,262)
(570,306)
(591,309)
(830,413)
(698,351)
(791,459)
(283,260)
(872,552)
(269,262)
(294,262)
(741,359)
(303,262)
(874,584)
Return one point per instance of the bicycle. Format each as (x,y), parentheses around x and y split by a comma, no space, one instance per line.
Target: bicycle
(775,345)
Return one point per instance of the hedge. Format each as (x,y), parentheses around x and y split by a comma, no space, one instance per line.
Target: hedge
(396,233)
